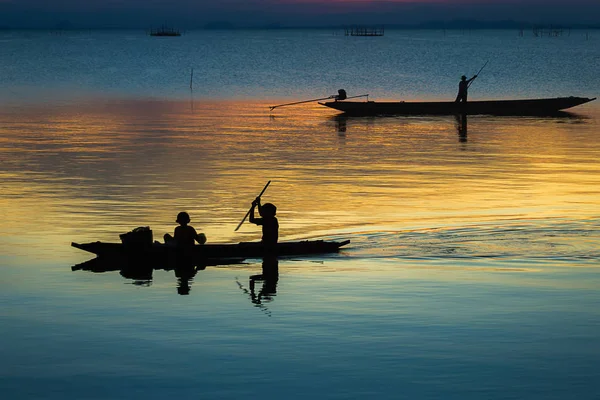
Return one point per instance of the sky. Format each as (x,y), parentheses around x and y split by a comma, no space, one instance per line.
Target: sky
(189,14)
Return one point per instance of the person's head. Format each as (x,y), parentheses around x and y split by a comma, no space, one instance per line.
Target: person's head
(463,78)
(183,218)
(268,210)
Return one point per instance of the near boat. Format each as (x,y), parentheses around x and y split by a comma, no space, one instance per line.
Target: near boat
(210,252)
(490,107)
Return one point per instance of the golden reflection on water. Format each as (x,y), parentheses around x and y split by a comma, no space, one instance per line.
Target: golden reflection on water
(89,171)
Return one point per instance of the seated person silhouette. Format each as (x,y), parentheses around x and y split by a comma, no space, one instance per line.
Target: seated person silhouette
(185,235)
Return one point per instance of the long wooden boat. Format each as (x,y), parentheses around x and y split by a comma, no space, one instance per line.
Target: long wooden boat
(490,107)
(158,251)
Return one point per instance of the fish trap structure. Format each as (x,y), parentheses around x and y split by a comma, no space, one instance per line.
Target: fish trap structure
(361,30)
(165,31)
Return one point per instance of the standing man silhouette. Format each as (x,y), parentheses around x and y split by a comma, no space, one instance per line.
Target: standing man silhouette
(463,89)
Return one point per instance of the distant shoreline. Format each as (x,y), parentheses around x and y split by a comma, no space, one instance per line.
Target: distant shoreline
(430,25)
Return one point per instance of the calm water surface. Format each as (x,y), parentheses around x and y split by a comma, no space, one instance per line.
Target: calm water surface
(473,265)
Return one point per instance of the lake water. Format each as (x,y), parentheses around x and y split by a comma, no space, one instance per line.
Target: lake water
(473,267)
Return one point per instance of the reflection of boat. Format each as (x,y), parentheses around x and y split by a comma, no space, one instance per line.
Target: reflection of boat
(145,266)
(140,270)
(214,252)
(492,107)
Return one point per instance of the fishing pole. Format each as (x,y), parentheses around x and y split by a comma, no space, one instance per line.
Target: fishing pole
(477,74)
(335,96)
(486,63)
(300,102)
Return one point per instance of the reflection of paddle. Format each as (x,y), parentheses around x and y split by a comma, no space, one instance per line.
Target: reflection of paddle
(248,213)
(477,74)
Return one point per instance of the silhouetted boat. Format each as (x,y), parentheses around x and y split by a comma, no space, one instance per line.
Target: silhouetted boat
(491,107)
(213,252)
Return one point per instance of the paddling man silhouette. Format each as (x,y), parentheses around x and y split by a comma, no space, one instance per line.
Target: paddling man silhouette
(463,89)
(270,225)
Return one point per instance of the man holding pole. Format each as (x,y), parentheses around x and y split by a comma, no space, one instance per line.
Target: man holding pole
(268,220)
(463,89)
(463,86)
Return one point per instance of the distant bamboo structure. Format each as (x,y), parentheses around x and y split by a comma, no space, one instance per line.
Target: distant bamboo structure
(360,30)
(164,31)
(551,31)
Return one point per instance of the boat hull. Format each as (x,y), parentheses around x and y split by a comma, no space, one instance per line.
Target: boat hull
(157,251)
(490,107)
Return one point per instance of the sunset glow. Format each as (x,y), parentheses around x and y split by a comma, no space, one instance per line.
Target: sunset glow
(194,14)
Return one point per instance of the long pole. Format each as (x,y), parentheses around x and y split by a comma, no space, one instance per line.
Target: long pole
(308,101)
(300,102)
(477,74)
(248,213)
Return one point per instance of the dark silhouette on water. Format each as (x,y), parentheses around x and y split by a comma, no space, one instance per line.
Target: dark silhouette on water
(341,125)
(210,254)
(185,275)
(165,31)
(185,235)
(269,278)
(136,257)
(342,95)
(248,213)
(520,107)
(141,271)
(269,223)
(461,127)
(463,89)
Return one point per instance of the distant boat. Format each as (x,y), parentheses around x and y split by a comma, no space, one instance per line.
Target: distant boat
(490,107)
(164,31)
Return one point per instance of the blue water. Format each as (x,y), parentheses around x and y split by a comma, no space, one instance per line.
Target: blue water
(472,270)
(297,64)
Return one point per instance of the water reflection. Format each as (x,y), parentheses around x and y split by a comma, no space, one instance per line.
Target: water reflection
(140,271)
(268,290)
(344,124)
(269,279)
(461,127)
(92,170)
(185,275)
(341,124)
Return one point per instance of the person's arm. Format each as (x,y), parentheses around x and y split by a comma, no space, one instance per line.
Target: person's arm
(198,237)
(255,203)
(470,80)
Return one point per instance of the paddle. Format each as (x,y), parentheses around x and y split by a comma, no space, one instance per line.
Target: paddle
(477,74)
(248,213)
